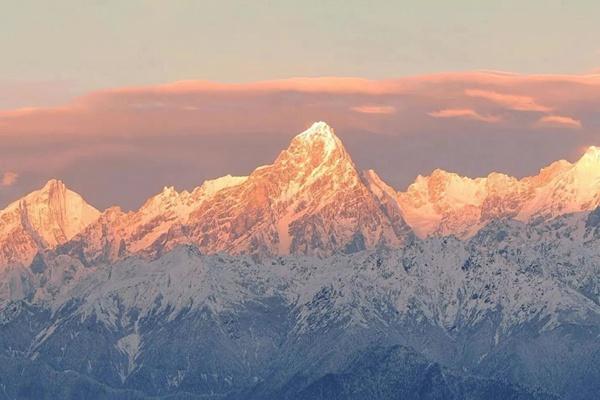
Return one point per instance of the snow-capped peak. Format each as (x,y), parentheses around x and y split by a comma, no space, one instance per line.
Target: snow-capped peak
(591,155)
(318,129)
(311,200)
(445,203)
(313,154)
(53,184)
(43,219)
(320,133)
(54,211)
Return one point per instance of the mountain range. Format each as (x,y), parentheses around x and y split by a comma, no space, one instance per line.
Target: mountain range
(309,279)
(312,201)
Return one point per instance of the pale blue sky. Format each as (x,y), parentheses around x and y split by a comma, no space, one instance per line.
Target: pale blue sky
(68,47)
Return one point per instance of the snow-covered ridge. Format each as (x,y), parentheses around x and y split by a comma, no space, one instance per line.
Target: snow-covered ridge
(445,203)
(311,200)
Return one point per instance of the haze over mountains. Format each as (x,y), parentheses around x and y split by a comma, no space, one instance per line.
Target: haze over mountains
(312,200)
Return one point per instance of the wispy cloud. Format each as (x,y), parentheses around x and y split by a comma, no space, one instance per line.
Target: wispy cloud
(372,109)
(8,178)
(510,101)
(559,121)
(464,113)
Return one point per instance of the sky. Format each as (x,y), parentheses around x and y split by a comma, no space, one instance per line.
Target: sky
(120,98)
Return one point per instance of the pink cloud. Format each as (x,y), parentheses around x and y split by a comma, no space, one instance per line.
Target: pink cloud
(464,113)
(371,109)
(206,129)
(8,178)
(338,85)
(207,108)
(558,121)
(509,101)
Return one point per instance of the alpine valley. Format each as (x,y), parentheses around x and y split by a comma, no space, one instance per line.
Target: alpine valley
(308,279)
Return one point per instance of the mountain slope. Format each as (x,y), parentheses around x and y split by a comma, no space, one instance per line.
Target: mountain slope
(223,324)
(397,372)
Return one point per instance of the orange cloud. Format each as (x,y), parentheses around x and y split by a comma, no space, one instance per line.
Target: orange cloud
(464,113)
(8,178)
(510,101)
(559,121)
(366,109)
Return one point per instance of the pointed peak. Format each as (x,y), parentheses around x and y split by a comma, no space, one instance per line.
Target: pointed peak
(441,172)
(318,128)
(169,191)
(312,154)
(592,152)
(551,170)
(591,158)
(52,189)
(52,185)
(319,141)
(320,132)
(51,215)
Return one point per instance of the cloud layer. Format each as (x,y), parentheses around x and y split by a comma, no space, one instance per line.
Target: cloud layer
(8,178)
(465,113)
(508,101)
(559,121)
(120,145)
(370,109)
